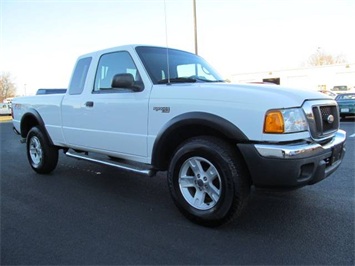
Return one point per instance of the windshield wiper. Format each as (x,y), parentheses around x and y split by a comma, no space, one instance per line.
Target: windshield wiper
(187,80)
(177,80)
(208,80)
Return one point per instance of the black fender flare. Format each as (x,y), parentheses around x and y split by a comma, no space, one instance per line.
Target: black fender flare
(30,119)
(219,124)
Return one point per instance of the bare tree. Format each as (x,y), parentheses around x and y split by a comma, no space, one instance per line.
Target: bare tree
(321,58)
(7,86)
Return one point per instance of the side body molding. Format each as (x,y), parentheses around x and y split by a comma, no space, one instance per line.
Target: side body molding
(188,125)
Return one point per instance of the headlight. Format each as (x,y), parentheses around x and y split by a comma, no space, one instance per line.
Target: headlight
(285,121)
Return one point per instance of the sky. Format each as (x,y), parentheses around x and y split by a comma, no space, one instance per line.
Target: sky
(40,40)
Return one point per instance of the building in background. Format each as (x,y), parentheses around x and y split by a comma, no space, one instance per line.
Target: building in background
(320,78)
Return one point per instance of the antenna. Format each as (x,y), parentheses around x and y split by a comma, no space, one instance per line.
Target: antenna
(195,27)
(167,45)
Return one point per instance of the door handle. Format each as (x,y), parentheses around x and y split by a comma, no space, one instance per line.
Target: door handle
(89,104)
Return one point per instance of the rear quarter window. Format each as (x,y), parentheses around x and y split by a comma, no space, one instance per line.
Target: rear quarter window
(79,76)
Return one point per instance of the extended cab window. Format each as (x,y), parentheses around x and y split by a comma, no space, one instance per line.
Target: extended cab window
(116,72)
(79,77)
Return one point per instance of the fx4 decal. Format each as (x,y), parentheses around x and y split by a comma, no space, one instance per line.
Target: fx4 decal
(162,109)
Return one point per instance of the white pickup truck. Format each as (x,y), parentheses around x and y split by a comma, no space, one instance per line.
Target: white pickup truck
(147,109)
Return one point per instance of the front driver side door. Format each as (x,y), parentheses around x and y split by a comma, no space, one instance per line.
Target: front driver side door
(109,120)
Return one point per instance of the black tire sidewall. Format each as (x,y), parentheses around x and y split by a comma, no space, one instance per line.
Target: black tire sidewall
(214,154)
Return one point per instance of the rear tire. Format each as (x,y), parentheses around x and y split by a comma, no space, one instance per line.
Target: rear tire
(208,181)
(42,156)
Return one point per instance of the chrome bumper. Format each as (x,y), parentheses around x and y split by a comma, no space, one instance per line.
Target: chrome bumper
(299,151)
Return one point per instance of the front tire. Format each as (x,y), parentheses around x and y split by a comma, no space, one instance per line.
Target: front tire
(208,181)
(42,156)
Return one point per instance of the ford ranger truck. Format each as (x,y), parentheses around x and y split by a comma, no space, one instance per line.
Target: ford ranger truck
(147,109)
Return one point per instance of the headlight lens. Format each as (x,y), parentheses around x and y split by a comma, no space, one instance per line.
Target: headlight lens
(285,121)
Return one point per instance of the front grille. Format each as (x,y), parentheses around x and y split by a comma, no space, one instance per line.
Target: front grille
(323,118)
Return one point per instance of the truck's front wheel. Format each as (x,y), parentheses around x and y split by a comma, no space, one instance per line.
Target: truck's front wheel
(208,181)
(42,156)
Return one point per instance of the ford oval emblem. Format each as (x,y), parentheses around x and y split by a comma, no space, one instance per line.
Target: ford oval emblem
(330,119)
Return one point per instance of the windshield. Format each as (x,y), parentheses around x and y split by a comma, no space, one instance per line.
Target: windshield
(184,67)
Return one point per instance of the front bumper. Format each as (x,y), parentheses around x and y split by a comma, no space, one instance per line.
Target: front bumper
(293,165)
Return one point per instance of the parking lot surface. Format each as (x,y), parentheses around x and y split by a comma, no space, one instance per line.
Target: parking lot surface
(86,214)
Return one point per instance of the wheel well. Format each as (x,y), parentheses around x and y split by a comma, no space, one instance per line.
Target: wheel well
(171,142)
(189,125)
(28,122)
(33,119)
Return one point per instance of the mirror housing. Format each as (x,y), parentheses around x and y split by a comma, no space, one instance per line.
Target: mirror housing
(125,81)
(122,81)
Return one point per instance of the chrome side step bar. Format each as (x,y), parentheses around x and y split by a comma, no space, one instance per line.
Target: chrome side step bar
(132,168)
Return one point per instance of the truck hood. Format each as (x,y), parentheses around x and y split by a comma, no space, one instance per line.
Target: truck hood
(269,95)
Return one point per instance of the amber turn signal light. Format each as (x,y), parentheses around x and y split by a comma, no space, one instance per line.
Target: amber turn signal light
(274,122)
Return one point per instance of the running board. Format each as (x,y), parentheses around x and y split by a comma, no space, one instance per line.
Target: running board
(132,168)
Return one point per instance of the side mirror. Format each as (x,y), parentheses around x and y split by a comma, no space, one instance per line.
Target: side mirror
(124,80)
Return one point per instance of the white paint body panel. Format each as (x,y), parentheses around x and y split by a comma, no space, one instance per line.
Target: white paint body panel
(126,124)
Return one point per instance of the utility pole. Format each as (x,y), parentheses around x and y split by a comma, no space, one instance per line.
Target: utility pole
(195,26)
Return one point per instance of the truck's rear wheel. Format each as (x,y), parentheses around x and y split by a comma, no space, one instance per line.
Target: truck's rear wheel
(42,156)
(208,181)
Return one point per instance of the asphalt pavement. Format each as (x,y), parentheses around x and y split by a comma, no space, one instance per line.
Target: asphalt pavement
(88,214)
